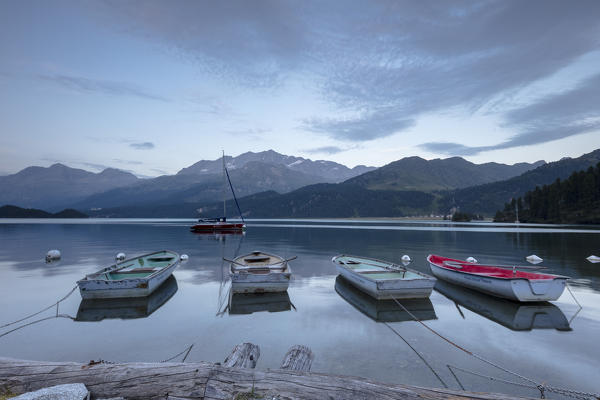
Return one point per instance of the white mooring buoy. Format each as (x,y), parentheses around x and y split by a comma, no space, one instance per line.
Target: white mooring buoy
(120,256)
(471,260)
(534,259)
(52,255)
(593,259)
(405,258)
(184,257)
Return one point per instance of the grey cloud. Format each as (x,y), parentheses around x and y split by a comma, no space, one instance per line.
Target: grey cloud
(325,149)
(565,114)
(142,146)
(128,162)
(410,57)
(368,127)
(112,88)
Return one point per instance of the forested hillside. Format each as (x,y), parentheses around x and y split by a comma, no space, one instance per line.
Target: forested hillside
(575,200)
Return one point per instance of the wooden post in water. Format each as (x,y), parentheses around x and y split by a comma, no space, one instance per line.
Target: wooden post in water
(243,355)
(298,358)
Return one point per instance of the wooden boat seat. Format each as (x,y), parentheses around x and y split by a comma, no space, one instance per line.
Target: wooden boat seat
(135,271)
(253,259)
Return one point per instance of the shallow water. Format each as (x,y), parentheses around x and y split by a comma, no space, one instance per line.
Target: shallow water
(348,332)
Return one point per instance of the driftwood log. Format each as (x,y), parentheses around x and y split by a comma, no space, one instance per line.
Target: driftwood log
(204,380)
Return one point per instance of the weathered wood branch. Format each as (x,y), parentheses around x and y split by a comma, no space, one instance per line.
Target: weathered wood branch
(298,358)
(206,381)
(243,355)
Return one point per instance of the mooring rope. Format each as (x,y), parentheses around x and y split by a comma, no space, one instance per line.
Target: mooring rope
(186,351)
(540,386)
(418,354)
(41,311)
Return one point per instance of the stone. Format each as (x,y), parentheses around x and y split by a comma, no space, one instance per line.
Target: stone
(71,391)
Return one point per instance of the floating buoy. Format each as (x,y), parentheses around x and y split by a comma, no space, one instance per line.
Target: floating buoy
(120,256)
(534,259)
(53,255)
(471,259)
(405,258)
(593,259)
(184,257)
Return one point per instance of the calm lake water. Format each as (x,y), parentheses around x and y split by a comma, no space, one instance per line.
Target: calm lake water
(350,334)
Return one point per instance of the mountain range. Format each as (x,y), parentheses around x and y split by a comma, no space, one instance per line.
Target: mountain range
(59,186)
(269,184)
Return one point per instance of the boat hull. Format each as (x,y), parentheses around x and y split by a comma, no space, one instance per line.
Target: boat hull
(226,227)
(134,287)
(518,289)
(259,272)
(382,290)
(250,283)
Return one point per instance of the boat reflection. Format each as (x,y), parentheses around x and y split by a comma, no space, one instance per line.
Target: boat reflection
(513,315)
(384,310)
(248,303)
(126,308)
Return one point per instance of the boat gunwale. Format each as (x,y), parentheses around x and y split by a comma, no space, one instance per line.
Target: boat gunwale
(422,275)
(112,268)
(285,268)
(484,275)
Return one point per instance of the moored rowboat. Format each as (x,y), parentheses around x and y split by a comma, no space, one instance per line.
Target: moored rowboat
(135,277)
(260,272)
(499,281)
(382,279)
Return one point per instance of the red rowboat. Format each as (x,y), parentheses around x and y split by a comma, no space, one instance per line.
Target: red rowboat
(501,281)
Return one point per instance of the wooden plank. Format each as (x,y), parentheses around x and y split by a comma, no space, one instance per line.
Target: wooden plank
(136,381)
(298,358)
(243,355)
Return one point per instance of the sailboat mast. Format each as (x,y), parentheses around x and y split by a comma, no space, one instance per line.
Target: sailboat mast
(224,187)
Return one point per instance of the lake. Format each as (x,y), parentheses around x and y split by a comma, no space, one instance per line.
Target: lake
(349,333)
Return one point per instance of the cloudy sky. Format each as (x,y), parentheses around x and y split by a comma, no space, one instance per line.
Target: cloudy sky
(153,86)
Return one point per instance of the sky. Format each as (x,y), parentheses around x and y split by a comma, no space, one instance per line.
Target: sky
(154,86)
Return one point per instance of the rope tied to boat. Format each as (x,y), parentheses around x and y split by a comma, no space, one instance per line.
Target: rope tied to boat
(540,386)
(41,311)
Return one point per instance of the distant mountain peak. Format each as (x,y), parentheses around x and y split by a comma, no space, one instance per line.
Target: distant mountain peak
(328,171)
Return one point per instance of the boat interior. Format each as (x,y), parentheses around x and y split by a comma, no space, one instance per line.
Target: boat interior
(140,267)
(374,269)
(487,270)
(258,262)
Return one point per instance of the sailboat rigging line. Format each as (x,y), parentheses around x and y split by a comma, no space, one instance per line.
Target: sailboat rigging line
(234,198)
(541,386)
(418,354)
(41,311)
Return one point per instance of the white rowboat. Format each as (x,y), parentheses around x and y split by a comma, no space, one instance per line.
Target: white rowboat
(135,277)
(382,279)
(259,272)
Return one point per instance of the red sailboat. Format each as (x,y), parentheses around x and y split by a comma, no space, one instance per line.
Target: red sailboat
(220,224)
(503,281)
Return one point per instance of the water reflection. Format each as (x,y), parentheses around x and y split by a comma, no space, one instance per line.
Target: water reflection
(384,310)
(248,303)
(92,310)
(513,315)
